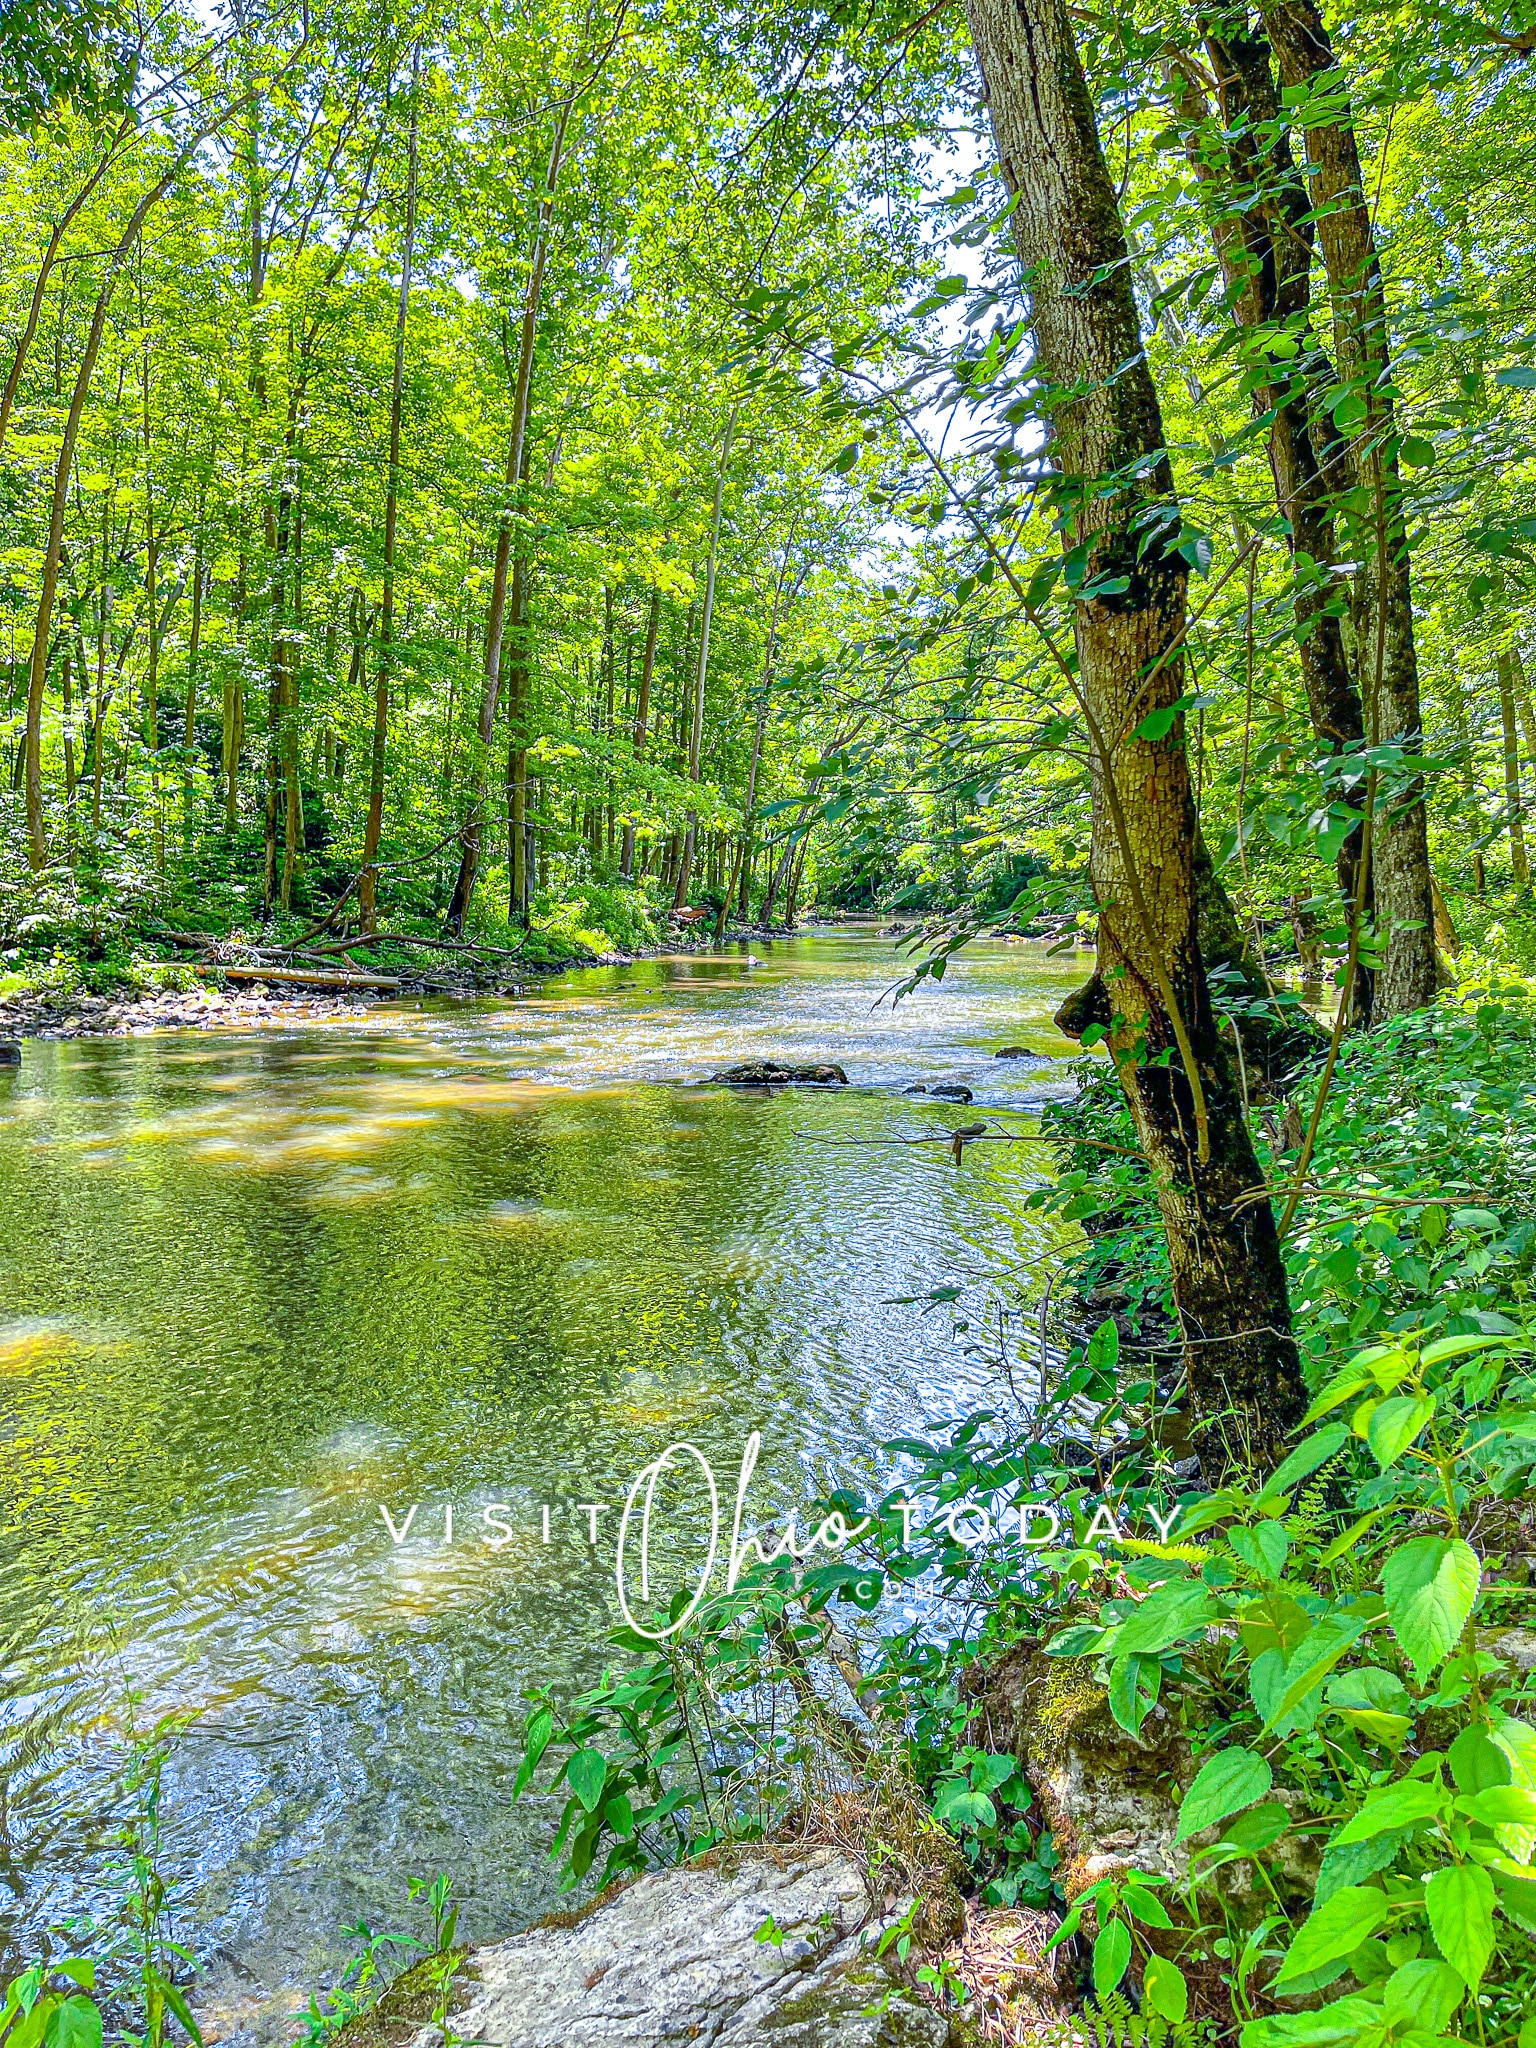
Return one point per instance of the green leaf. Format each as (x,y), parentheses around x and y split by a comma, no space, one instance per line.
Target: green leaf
(1306,1458)
(1478,1762)
(1518,377)
(1417,452)
(1164,1989)
(176,1999)
(1079,1641)
(1313,1658)
(1423,1995)
(1253,1831)
(1182,1608)
(1226,1783)
(1263,1549)
(1103,1352)
(988,1772)
(1111,1956)
(1354,1863)
(958,1806)
(587,1771)
(1369,1686)
(1499,1805)
(1145,1906)
(1342,2022)
(76,2023)
(1459,1901)
(1430,1585)
(1333,1932)
(1341,1388)
(541,1726)
(1134,1683)
(1407,1804)
(1157,724)
(1395,1424)
(619,1814)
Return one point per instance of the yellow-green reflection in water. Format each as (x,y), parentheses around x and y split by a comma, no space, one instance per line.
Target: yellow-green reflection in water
(253,1286)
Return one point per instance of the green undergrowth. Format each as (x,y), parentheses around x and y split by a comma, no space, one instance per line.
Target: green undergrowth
(1419,1209)
(67,945)
(1356,1828)
(1326,1647)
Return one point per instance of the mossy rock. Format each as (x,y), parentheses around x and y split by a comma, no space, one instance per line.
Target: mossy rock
(407,2004)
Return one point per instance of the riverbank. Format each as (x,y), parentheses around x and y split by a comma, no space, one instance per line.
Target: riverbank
(269,1272)
(235,988)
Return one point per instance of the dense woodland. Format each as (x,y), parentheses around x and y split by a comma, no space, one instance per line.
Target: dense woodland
(510,476)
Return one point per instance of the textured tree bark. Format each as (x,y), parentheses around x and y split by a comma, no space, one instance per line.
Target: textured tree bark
(1386,650)
(1115,490)
(1261,226)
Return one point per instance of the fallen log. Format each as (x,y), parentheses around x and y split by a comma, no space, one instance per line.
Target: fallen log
(305,977)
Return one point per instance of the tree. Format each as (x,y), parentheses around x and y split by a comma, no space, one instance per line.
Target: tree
(1119,519)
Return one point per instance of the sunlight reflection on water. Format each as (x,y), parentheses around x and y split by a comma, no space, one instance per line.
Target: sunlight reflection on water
(449,1253)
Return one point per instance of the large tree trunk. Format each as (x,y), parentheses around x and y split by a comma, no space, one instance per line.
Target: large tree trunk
(1228,1280)
(368,881)
(1262,230)
(1386,652)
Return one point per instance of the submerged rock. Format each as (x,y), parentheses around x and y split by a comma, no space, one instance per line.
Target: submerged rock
(677,1957)
(10,1053)
(780,1073)
(951,1091)
(1013,1052)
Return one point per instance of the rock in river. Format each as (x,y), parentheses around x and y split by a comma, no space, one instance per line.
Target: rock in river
(779,1073)
(950,1091)
(676,1957)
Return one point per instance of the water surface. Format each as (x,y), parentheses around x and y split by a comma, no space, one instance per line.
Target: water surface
(253,1286)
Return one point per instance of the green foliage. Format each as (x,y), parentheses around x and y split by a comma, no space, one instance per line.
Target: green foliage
(1418,1213)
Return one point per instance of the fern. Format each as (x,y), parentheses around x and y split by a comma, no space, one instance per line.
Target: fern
(1114,2024)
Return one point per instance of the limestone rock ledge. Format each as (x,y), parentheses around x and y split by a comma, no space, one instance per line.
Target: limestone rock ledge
(673,1958)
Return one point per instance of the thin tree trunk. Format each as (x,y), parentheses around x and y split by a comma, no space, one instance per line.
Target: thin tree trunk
(516,480)
(194,648)
(45,270)
(1514,809)
(1224,1256)
(368,884)
(642,715)
(1386,651)
(696,730)
(1466,746)
(740,864)
(37,839)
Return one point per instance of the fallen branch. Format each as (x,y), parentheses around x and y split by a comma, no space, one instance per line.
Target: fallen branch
(304,977)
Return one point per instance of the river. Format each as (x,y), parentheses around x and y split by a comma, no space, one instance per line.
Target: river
(254,1287)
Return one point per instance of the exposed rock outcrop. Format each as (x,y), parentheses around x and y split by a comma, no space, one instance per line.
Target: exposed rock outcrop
(676,1957)
(780,1074)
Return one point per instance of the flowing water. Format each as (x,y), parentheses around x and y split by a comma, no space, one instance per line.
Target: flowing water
(255,1288)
